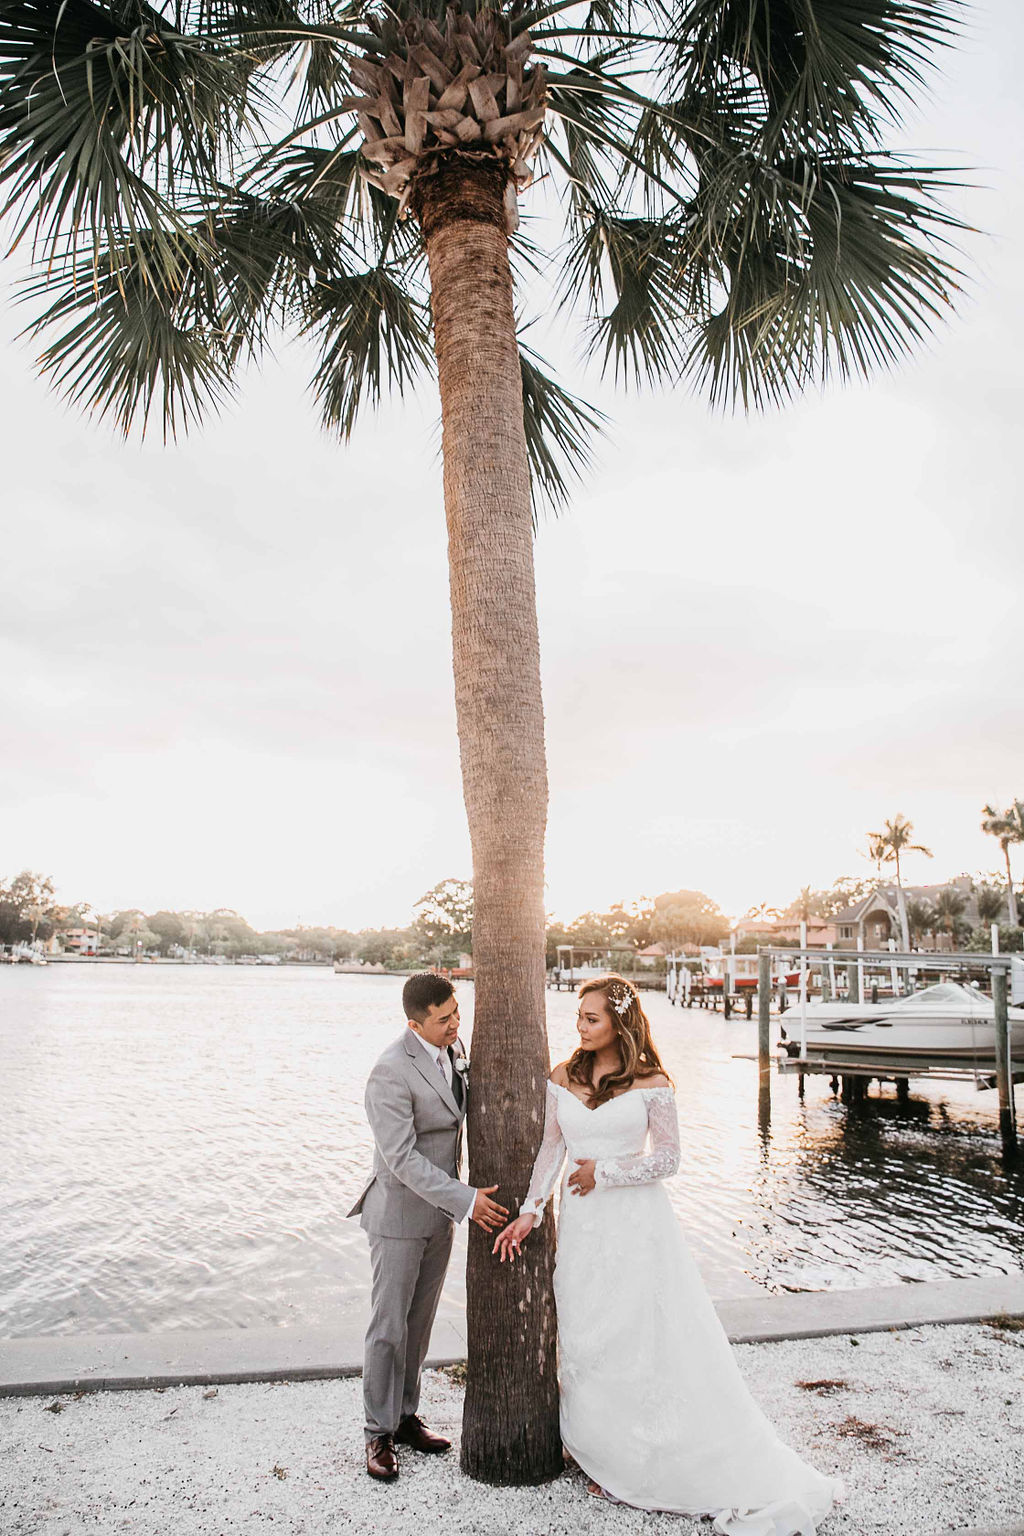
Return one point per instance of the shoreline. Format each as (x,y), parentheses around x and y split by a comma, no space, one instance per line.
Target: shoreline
(72,1363)
(209,961)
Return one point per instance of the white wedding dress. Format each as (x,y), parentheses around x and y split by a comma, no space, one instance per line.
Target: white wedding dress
(653,1406)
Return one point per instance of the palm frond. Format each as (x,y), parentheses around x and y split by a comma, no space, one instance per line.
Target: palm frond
(636,263)
(304,41)
(107,115)
(162,319)
(731,216)
(836,268)
(139,327)
(559,432)
(589,126)
(825,67)
(370,330)
(331,185)
(264,251)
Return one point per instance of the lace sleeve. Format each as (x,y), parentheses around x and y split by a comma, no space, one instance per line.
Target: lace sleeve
(663,1159)
(548,1163)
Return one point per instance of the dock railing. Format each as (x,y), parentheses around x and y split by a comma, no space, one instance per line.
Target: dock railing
(857,963)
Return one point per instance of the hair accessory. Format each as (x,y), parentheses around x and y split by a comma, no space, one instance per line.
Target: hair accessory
(620,999)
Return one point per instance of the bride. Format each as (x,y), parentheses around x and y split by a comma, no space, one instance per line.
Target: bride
(653,1406)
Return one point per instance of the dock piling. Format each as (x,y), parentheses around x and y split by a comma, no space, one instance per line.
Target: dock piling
(1004,1071)
(764,1044)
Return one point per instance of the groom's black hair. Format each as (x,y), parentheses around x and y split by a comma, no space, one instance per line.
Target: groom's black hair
(424,991)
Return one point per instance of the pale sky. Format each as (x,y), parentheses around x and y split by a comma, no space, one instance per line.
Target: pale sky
(226,674)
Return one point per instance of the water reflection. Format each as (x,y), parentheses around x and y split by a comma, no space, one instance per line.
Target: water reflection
(179,1146)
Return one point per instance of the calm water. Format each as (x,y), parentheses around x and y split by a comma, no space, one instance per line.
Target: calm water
(178,1146)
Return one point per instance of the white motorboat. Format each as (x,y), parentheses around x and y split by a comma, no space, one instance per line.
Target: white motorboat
(25,954)
(945,1022)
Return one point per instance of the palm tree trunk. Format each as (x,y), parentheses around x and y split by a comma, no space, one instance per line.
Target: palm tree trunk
(1011,895)
(510,1425)
(901,904)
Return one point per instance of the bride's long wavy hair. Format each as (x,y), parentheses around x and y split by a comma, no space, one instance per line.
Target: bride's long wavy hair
(631,1025)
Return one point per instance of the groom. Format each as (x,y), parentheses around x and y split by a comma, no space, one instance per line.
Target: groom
(416,1104)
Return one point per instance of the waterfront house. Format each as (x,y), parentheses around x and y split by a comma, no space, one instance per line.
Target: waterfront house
(79,941)
(786,930)
(875,919)
(652,955)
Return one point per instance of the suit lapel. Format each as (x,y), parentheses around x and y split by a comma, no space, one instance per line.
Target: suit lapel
(431,1075)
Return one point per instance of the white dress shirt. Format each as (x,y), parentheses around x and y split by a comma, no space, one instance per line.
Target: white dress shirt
(438,1055)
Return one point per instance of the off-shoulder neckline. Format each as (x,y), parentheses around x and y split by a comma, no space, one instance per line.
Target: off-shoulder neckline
(658,1088)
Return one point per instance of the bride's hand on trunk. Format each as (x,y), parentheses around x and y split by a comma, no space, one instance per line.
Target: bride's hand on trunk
(509,1242)
(583,1179)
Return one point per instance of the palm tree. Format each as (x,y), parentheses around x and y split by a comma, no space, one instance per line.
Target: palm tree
(763,912)
(195,179)
(1008,827)
(950,905)
(921,918)
(886,847)
(989,899)
(876,851)
(806,906)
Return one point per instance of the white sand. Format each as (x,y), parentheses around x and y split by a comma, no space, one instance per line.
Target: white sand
(945,1453)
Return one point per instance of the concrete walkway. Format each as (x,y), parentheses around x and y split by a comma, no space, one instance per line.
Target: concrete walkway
(118,1362)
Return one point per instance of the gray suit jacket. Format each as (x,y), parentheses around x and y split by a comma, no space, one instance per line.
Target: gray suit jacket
(417,1132)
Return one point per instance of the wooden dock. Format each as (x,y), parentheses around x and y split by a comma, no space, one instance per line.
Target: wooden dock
(851,1069)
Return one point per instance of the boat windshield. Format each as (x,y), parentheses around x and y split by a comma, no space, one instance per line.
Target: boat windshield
(945,993)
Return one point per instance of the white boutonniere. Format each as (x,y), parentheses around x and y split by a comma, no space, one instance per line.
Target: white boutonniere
(461,1065)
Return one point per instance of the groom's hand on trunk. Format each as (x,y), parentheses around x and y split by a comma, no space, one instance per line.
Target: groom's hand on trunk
(487,1213)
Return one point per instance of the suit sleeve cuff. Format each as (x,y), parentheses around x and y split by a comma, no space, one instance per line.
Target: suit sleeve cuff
(471,1192)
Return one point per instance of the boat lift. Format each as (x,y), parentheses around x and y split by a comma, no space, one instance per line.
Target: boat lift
(855,1074)
(577,963)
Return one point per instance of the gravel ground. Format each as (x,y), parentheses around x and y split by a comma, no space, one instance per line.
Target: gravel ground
(925,1426)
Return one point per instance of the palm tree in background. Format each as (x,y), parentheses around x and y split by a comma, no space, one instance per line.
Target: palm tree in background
(876,851)
(990,900)
(1008,827)
(887,847)
(806,906)
(950,906)
(196,179)
(921,918)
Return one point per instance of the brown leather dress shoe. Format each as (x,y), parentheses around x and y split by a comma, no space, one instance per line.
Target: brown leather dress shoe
(412,1431)
(381,1460)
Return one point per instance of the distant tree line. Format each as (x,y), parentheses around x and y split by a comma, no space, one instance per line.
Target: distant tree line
(27,908)
(674,919)
(440,932)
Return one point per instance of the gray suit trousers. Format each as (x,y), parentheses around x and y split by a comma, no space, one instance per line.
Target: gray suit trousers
(408,1275)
